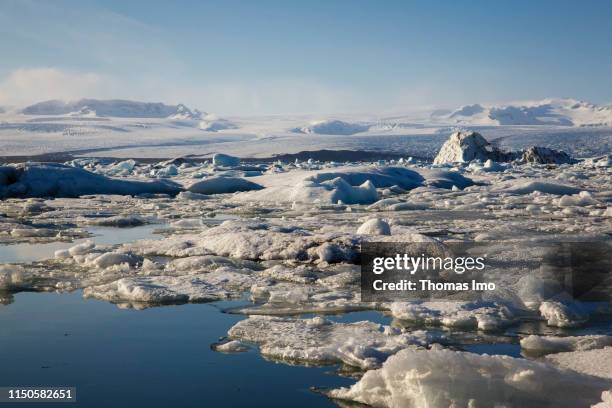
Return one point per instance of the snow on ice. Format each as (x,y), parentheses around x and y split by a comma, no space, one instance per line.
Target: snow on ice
(286,237)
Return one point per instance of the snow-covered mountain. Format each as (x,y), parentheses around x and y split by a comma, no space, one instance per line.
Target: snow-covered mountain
(180,114)
(84,112)
(104,108)
(184,113)
(559,112)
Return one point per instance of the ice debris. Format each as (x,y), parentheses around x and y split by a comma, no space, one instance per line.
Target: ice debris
(441,378)
(362,344)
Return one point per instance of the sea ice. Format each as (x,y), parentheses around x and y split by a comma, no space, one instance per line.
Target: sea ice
(223,185)
(596,362)
(444,378)
(374,226)
(219,284)
(534,344)
(56,180)
(562,315)
(362,344)
(225,160)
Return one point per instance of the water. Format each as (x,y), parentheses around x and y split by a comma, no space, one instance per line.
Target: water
(161,357)
(156,357)
(27,252)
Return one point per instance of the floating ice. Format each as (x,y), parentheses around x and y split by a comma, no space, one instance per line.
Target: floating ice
(463,147)
(225,160)
(13,277)
(596,362)
(542,185)
(374,226)
(549,344)
(582,199)
(562,315)
(223,185)
(466,315)
(332,192)
(350,185)
(118,221)
(444,378)
(57,180)
(217,285)
(233,346)
(363,344)
(544,155)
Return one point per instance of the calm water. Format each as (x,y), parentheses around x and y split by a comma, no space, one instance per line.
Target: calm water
(21,253)
(157,357)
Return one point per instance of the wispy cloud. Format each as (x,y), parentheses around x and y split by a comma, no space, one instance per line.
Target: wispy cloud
(24,86)
(28,85)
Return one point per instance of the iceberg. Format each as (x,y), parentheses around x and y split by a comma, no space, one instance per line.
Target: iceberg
(58,180)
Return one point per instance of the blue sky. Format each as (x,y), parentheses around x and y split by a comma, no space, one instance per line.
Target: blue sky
(266,57)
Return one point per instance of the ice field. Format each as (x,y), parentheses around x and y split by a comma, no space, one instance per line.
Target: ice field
(281,239)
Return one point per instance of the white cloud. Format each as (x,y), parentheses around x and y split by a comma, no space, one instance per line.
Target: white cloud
(27,85)
(278,96)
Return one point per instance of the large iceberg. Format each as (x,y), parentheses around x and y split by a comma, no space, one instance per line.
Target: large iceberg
(463,147)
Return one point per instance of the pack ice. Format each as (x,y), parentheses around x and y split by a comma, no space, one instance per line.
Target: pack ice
(445,378)
(285,237)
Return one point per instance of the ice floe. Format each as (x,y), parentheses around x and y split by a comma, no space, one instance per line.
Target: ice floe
(223,185)
(362,344)
(539,345)
(55,180)
(596,362)
(445,378)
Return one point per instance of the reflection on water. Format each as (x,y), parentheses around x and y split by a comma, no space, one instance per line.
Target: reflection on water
(27,252)
(161,356)
(158,357)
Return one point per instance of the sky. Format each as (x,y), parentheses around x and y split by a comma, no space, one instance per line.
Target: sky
(298,57)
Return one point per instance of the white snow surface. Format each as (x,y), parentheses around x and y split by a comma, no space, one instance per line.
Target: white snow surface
(560,112)
(362,344)
(444,378)
(596,362)
(137,129)
(550,344)
(332,127)
(292,248)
